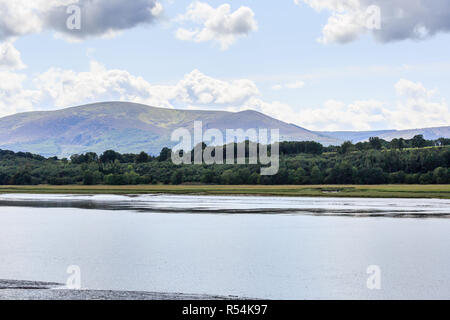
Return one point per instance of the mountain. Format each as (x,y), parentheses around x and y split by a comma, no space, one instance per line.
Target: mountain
(388,135)
(127,128)
(132,128)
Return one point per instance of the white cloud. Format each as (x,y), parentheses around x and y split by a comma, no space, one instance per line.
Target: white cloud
(61,88)
(13,97)
(400,19)
(20,17)
(336,115)
(235,92)
(58,88)
(195,90)
(216,24)
(416,107)
(412,89)
(279,110)
(10,57)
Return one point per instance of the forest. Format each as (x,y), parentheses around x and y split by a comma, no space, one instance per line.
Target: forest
(400,161)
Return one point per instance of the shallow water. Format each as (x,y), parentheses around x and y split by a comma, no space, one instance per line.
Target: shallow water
(261,247)
(239,204)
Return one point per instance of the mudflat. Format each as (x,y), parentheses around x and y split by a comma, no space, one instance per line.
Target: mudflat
(36,290)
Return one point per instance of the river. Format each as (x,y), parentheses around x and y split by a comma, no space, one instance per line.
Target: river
(256,247)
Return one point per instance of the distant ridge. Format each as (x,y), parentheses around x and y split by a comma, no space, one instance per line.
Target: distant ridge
(127,128)
(388,135)
(130,128)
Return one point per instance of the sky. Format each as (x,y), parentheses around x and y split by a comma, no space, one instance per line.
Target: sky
(320,64)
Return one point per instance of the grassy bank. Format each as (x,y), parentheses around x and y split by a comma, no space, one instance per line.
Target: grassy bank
(369,191)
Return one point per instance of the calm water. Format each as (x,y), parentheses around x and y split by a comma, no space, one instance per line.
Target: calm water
(260,247)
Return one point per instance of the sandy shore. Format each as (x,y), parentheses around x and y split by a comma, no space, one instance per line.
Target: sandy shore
(32,290)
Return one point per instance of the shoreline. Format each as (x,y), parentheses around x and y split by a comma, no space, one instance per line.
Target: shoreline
(337,191)
(37,290)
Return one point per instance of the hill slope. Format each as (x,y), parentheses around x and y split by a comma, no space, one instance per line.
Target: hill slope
(126,128)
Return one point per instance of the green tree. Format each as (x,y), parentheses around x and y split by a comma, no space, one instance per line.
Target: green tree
(88,178)
(316,175)
(142,157)
(347,147)
(426,178)
(418,141)
(208,176)
(375,143)
(297,176)
(229,177)
(397,143)
(177,177)
(110,156)
(165,154)
(440,175)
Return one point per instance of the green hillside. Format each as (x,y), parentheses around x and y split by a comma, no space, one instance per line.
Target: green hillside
(126,128)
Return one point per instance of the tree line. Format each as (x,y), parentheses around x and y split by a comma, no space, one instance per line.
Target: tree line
(413,161)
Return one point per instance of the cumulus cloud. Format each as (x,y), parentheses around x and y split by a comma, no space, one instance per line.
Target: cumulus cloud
(216,24)
(412,89)
(399,19)
(337,115)
(20,17)
(61,88)
(13,97)
(10,57)
(66,87)
(416,107)
(276,109)
(98,17)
